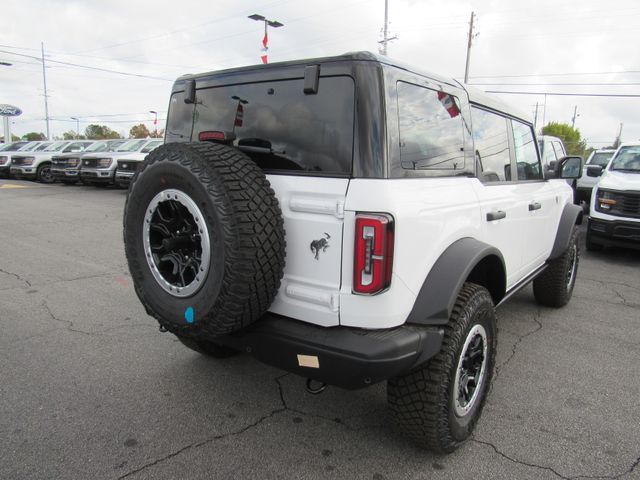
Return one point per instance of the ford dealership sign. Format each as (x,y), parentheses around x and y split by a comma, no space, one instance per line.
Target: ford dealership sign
(9,111)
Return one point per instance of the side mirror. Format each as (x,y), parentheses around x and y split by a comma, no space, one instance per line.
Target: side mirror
(569,167)
(594,170)
(552,165)
(190,91)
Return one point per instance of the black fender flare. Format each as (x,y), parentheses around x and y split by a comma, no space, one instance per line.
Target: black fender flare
(571,216)
(440,289)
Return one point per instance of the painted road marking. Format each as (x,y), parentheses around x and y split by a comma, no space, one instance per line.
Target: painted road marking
(13,185)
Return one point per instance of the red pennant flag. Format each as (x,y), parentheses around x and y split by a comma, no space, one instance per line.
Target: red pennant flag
(449,104)
(239,115)
(265,40)
(264,59)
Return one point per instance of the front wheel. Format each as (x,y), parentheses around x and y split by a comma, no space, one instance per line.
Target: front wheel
(44,175)
(554,286)
(439,403)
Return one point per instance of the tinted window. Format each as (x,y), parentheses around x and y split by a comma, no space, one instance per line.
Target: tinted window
(431,129)
(525,151)
(280,127)
(491,139)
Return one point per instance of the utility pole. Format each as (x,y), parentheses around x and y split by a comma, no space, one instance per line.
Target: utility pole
(385,31)
(535,119)
(469,43)
(77,126)
(619,138)
(573,120)
(46,102)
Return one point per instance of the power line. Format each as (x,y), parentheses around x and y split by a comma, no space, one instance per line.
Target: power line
(623,84)
(563,94)
(554,74)
(77,65)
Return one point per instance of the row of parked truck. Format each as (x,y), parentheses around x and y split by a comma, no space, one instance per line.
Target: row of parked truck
(99,163)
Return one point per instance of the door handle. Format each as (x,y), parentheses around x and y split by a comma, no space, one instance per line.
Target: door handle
(534,206)
(496,215)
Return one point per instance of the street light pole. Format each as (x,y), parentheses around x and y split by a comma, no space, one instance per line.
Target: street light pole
(265,39)
(77,127)
(155,123)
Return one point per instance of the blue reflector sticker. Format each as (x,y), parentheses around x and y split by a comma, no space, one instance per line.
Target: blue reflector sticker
(189,315)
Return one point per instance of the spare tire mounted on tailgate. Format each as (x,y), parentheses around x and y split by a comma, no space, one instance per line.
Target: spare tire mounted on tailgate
(204,239)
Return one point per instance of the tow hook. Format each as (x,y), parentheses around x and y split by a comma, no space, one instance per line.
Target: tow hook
(318,389)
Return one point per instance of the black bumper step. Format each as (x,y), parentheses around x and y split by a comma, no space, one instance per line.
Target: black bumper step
(346,357)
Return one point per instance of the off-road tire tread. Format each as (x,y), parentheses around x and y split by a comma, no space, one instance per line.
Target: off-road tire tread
(254,236)
(419,400)
(550,287)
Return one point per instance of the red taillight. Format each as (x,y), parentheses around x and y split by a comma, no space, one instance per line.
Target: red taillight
(373,253)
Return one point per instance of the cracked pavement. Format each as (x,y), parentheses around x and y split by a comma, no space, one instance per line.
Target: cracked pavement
(90,389)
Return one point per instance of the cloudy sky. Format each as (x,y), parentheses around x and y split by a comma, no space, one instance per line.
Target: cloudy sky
(582,46)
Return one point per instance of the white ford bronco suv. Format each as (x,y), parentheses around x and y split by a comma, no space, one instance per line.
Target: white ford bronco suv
(350,220)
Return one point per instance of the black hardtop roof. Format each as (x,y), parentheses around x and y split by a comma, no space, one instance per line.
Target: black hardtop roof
(475,95)
(362,56)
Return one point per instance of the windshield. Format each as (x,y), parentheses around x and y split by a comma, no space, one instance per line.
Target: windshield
(131,146)
(627,159)
(601,158)
(30,146)
(43,146)
(97,147)
(151,146)
(55,147)
(11,146)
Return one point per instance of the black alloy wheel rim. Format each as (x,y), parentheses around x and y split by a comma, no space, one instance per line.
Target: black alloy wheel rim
(176,243)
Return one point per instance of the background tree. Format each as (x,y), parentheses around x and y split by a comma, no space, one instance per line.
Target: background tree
(71,135)
(14,138)
(100,132)
(157,133)
(570,137)
(139,131)
(34,136)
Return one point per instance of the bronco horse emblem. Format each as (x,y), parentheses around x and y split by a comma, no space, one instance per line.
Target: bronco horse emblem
(320,245)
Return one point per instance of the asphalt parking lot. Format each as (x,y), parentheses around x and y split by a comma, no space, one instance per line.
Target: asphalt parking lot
(89,388)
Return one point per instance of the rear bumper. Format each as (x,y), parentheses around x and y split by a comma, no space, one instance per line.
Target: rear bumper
(347,357)
(615,233)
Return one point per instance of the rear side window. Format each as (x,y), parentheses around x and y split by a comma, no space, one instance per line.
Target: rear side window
(431,128)
(280,127)
(525,151)
(491,138)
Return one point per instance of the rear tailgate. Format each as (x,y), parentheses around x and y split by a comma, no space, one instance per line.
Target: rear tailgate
(313,211)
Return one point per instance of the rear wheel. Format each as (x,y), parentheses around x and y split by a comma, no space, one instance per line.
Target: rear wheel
(439,403)
(554,286)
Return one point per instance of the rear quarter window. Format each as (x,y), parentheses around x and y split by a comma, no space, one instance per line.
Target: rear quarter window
(283,129)
(432,131)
